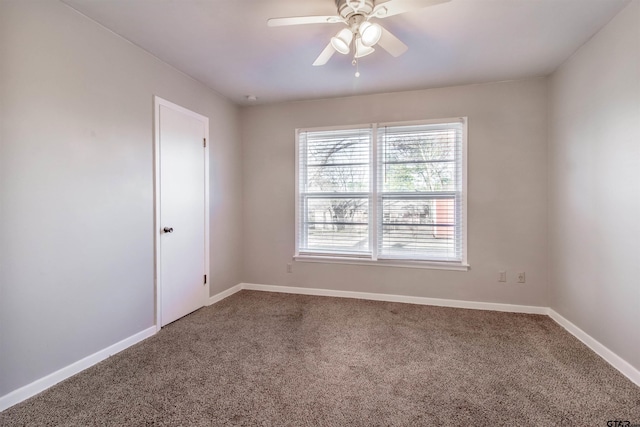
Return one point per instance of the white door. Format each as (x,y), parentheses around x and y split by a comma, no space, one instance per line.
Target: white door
(181,211)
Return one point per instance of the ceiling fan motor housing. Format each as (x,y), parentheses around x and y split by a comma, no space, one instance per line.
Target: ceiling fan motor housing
(349,8)
(354,21)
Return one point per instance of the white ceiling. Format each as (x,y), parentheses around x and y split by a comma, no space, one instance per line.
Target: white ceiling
(227,45)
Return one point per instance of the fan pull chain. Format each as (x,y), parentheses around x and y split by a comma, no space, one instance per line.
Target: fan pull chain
(356,64)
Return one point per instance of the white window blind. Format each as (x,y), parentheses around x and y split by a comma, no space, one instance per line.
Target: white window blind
(334,191)
(382,192)
(420,192)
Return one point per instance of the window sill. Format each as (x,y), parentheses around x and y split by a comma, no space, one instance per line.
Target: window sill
(434,265)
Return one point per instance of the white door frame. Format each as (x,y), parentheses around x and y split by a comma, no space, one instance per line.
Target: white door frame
(157,102)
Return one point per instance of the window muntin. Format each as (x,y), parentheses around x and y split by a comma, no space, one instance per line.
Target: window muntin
(383,192)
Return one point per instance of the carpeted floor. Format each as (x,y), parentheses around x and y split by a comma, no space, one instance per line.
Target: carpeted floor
(269,359)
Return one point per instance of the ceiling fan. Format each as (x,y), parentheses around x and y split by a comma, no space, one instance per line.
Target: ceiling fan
(361,35)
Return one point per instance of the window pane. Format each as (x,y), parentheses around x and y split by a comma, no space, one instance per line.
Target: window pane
(419,228)
(336,161)
(338,210)
(338,178)
(416,143)
(338,147)
(439,176)
(338,224)
(338,238)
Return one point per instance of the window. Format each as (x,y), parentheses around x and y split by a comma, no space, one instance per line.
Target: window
(383,193)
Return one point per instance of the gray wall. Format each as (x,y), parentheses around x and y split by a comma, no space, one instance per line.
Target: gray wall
(507,191)
(76,225)
(594,186)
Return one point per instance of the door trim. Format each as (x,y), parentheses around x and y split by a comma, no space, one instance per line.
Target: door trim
(157,103)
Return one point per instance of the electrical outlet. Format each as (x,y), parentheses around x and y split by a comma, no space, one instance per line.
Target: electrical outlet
(502,276)
(289,268)
(520,277)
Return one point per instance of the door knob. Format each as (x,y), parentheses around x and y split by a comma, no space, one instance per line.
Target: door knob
(168,229)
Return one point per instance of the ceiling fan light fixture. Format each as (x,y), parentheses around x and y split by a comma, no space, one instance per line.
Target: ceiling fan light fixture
(362,50)
(370,33)
(342,41)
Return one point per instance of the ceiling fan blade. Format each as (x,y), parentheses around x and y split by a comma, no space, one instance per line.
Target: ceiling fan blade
(396,7)
(325,56)
(299,20)
(392,44)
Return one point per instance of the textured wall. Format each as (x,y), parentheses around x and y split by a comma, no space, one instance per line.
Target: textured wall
(77,187)
(594,186)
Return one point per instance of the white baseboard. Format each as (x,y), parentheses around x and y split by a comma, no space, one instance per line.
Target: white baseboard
(613,359)
(609,356)
(44,383)
(224,294)
(512,308)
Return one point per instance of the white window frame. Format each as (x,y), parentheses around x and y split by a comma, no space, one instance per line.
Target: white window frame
(461,265)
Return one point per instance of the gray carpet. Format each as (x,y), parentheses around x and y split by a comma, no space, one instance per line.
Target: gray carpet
(268,359)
